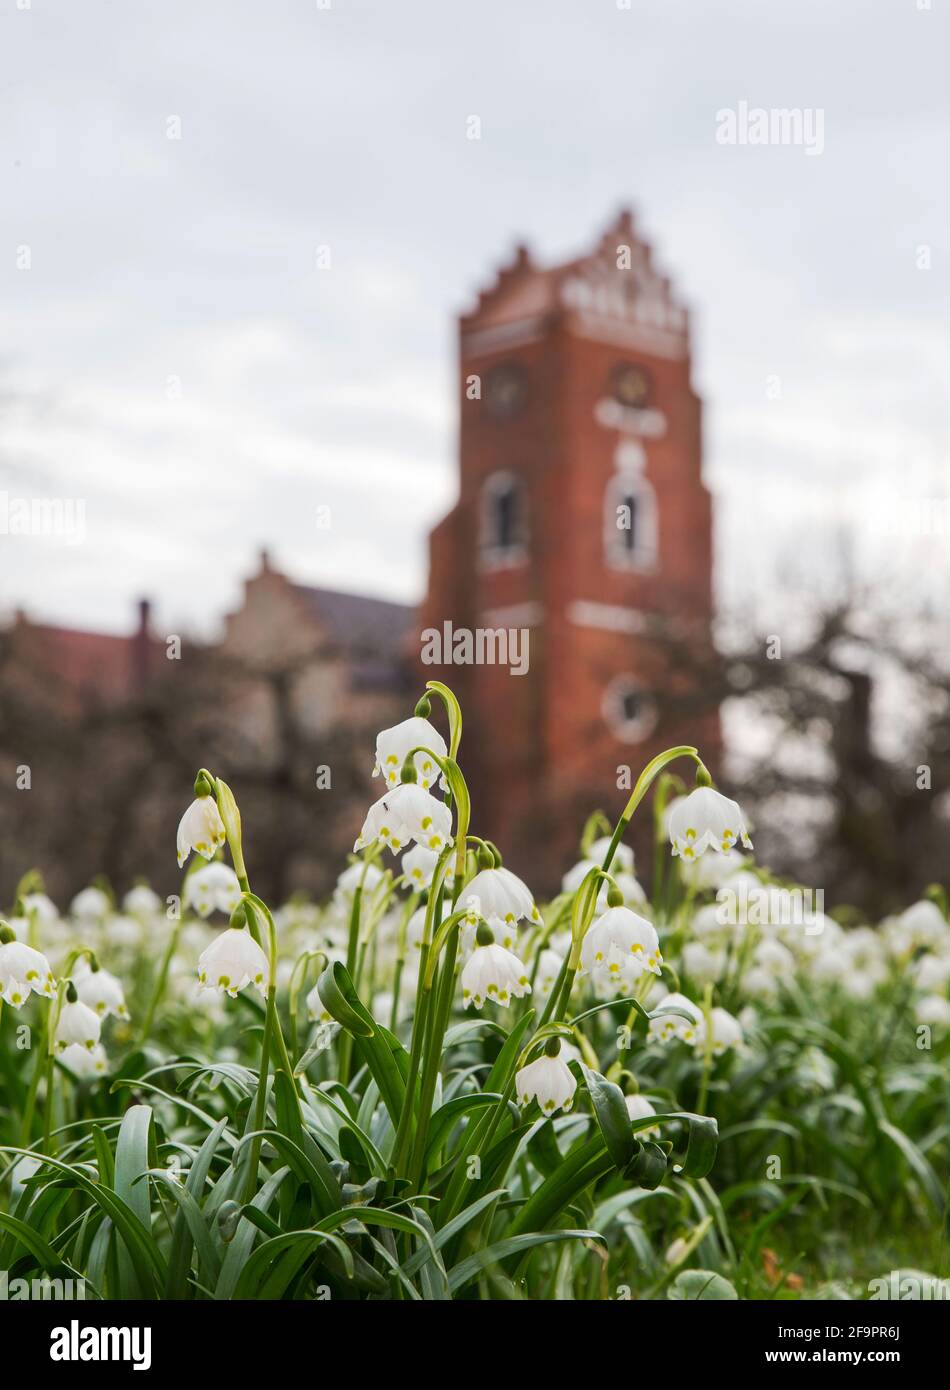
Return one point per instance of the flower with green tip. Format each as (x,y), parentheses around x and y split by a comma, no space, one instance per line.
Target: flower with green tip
(549,1081)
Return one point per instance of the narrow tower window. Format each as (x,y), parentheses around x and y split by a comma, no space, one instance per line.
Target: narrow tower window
(503,529)
(630,519)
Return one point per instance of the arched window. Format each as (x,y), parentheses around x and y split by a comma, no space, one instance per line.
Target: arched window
(628,710)
(630,523)
(504,531)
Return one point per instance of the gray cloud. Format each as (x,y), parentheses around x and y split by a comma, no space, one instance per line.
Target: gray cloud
(196,259)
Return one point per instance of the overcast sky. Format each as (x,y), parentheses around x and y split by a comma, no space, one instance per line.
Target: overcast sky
(155,262)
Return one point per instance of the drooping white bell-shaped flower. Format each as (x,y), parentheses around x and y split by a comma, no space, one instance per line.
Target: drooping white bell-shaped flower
(102,992)
(393,747)
(493,973)
(77,1024)
(706,819)
(713,870)
(549,1081)
(639,1108)
(723,1029)
(201,829)
(142,901)
(681,1025)
(408,812)
(84,1062)
(631,889)
(91,905)
(621,945)
(925,924)
(354,875)
(41,908)
(418,866)
(549,968)
(213,887)
(501,897)
(232,961)
(703,964)
(23,971)
(623,861)
(933,1009)
(316,1008)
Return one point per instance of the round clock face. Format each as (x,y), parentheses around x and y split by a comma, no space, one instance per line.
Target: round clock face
(506,390)
(631,386)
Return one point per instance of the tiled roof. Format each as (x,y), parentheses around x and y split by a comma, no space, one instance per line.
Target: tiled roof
(362,626)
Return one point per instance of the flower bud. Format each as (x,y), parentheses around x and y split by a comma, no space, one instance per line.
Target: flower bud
(484,936)
(424,708)
(203,784)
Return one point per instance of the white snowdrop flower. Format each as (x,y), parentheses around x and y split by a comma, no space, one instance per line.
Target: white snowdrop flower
(91,905)
(549,968)
(141,901)
(316,1008)
(232,961)
(932,973)
(724,1030)
(701,964)
(760,984)
(352,877)
(77,1024)
(84,1062)
(933,1009)
(40,907)
(123,931)
(549,1081)
(774,958)
(709,927)
(393,746)
(682,1025)
(213,887)
(706,819)
(714,871)
(831,963)
(418,866)
(925,924)
(623,861)
(575,876)
(638,1108)
(102,992)
(201,829)
(493,973)
(632,890)
(407,813)
(501,897)
(620,945)
(415,928)
(23,971)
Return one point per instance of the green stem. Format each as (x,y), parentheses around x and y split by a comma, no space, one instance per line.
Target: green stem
(159,990)
(440,1017)
(260,1109)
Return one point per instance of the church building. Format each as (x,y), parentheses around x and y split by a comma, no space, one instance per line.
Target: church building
(581,541)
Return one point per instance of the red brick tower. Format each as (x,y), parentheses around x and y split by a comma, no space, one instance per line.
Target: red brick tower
(583,522)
